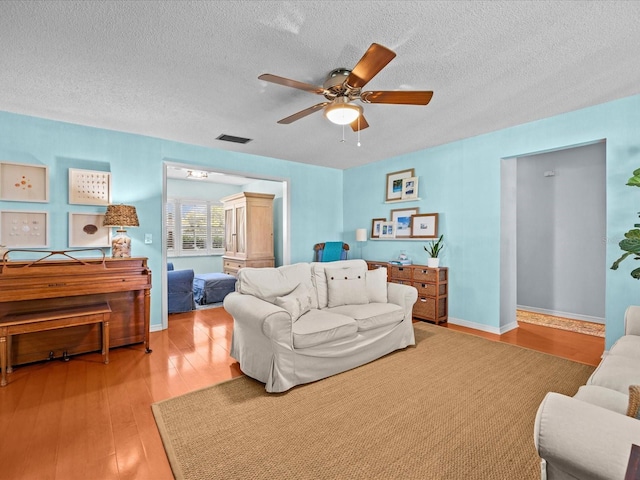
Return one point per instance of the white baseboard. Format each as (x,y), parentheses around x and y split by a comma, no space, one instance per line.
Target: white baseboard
(482,327)
(555,313)
(155,328)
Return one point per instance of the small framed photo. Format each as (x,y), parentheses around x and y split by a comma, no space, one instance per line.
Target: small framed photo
(375,227)
(89,187)
(24,229)
(424,225)
(394,183)
(402,219)
(410,188)
(20,182)
(387,230)
(86,230)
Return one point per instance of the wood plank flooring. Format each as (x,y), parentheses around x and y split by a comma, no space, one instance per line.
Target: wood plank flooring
(85,420)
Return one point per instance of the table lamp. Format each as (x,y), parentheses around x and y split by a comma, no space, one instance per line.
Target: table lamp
(361,237)
(121,216)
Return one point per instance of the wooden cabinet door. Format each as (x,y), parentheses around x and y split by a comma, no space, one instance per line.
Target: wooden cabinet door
(229,230)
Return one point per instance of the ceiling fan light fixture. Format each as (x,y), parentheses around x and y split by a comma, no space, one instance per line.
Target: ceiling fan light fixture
(341,112)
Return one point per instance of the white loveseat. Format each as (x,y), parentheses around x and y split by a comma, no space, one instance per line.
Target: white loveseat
(589,436)
(299,323)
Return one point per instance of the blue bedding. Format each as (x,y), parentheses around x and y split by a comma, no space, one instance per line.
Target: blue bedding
(212,287)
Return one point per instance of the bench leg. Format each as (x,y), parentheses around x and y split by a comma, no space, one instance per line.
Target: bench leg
(105,341)
(3,360)
(9,343)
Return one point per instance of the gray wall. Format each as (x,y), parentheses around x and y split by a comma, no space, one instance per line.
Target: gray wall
(561,232)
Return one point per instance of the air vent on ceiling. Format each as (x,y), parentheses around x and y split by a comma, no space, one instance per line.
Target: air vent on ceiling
(231,138)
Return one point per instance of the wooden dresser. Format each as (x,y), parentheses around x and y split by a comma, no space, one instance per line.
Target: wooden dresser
(248,236)
(38,289)
(432,285)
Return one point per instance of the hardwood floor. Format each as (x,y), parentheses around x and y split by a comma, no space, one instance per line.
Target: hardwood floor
(83,419)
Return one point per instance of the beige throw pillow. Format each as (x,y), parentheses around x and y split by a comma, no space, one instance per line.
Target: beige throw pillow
(297,303)
(634,401)
(376,281)
(346,286)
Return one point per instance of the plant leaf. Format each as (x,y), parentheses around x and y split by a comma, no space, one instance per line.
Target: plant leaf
(636,273)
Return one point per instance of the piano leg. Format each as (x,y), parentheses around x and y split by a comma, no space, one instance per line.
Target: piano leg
(147,320)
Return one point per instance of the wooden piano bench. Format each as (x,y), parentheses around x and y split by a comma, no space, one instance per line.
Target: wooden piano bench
(30,322)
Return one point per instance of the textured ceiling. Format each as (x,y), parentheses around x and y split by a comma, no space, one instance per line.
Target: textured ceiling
(188,70)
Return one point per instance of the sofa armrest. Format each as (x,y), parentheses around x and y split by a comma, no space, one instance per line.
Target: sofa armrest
(632,320)
(403,295)
(584,440)
(254,313)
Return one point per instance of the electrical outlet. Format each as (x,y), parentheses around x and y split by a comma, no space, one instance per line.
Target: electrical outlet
(148,238)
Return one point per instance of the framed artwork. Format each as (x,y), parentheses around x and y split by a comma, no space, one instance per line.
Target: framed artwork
(21,182)
(410,188)
(86,230)
(89,187)
(402,219)
(375,227)
(387,230)
(394,183)
(24,229)
(424,225)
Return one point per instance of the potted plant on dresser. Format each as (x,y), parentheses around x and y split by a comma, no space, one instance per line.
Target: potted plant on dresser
(433,248)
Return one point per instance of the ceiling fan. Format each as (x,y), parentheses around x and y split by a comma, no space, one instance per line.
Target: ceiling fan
(343,86)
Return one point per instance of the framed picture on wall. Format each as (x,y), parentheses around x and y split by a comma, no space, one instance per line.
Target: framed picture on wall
(86,230)
(402,219)
(376,227)
(410,188)
(24,229)
(424,225)
(387,230)
(394,183)
(21,182)
(89,187)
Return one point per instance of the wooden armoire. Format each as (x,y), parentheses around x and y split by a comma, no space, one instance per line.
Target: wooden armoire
(248,231)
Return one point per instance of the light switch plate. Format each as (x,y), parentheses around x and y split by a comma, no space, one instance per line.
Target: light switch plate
(148,238)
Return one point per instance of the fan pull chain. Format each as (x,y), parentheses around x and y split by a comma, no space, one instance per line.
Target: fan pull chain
(358,130)
(342,141)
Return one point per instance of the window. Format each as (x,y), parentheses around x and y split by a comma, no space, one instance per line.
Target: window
(194,227)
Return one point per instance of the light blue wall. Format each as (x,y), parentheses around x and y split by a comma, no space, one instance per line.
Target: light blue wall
(461,181)
(136,165)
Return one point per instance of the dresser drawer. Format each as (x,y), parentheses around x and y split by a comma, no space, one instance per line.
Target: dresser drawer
(400,273)
(431,308)
(430,289)
(429,274)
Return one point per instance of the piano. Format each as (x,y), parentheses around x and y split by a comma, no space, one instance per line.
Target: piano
(67,283)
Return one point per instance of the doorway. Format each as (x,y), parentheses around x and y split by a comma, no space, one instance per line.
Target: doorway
(553,226)
(199,182)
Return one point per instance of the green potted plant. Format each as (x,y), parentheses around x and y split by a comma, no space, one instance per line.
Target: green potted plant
(433,248)
(631,243)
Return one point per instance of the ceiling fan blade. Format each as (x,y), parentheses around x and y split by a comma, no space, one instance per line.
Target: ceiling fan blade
(307,87)
(399,97)
(303,113)
(359,123)
(374,60)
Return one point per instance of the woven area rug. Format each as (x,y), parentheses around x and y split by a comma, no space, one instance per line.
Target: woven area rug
(455,406)
(578,326)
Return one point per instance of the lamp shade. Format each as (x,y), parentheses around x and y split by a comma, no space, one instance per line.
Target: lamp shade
(121,216)
(361,235)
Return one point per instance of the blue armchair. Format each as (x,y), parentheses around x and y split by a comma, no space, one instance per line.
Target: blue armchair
(180,287)
(330,251)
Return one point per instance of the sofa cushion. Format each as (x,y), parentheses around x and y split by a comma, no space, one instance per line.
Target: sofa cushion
(320,326)
(376,281)
(616,372)
(634,401)
(269,283)
(603,397)
(371,315)
(627,346)
(297,302)
(346,286)
(320,278)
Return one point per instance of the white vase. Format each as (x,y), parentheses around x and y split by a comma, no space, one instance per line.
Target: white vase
(433,262)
